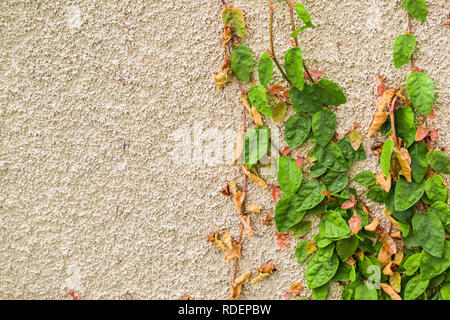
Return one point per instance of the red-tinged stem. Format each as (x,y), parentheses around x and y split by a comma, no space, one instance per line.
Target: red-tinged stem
(272,49)
(224,3)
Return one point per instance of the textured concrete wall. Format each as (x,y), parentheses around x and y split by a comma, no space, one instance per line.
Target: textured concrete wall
(81,79)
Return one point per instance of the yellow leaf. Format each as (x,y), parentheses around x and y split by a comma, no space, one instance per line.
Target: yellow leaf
(395,281)
(222,77)
(217,242)
(255,178)
(373,225)
(388,269)
(385,100)
(360,254)
(390,291)
(384,256)
(311,247)
(355,139)
(404,159)
(233,250)
(226,36)
(254,113)
(378,119)
(385,184)
(279,111)
(254,208)
(398,258)
(239,145)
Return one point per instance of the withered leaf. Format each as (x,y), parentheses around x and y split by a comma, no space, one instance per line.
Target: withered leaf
(186,296)
(254,113)
(421,133)
(434,134)
(383,182)
(294,290)
(268,219)
(311,247)
(239,145)
(268,268)
(388,269)
(279,111)
(233,250)
(373,225)
(254,208)
(384,256)
(254,177)
(226,36)
(395,281)
(260,275)
(281,239)
(404,159)
(390,291)
(398,258)
(216,241)
(222,77)
(355,139)
(243,278)
(245,220)
(389,243)
(378,119)
(235,291)
(385,100)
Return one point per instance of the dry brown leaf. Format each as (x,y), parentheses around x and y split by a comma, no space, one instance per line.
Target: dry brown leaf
(398,258)
(390,291)
(253,208)
(226,36)
(388,269)
(373,225)
(235,291)
(255,178)
(378,119)
(216,241)
(404,159)
(384,256)
(268,268)
(355,139)
(421,133)
(389,243)
(396,235)
(222,77)
(268,219)
(245,220)
(385,100)
(385,184)
(226,190)
(254,113)
(239,145)
(396,281)
(239,199)
(311,247)
(186,296)
(233,250)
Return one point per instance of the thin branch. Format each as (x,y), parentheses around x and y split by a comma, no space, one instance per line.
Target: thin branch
(224,3)
(272,49)
(291,14)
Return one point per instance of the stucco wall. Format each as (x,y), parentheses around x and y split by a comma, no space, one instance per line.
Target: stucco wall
(81,79)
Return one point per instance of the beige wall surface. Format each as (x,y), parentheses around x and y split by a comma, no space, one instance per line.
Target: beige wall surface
(95,195)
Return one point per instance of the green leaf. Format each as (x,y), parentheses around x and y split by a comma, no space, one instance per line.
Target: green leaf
(265,69)
(415,287)
(288,213)
(345,248)
(317,170)
(418,153)
(429,232)
(300,251)
(365,178)
(257,96)
(416,8)
(310,194)
(330,93)
(365,292)
(385,160)
(324,126)
(404,125)
(403,48)
(242,62)
(301,228)
(297,129)
(256,144)
(325,253)
(431,266)
(333,226)
(306,100)
(435,188)
(439,161)
(445,291)
(237,17)
(343,272)
(442,210)
(407,193)
(420,89)
(331,157)
(321,292)
(293,64)
(370,268)
(349,153)
(335,181)
(412,263)
(303,14)
(289,175)
(319,272)
(375,194)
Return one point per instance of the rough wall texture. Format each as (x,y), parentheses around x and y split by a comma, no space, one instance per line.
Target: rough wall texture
(92,197)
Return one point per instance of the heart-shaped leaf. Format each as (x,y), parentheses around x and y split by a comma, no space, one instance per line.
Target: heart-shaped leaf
(331,157)
(403,48)
(365,178)
(237,17)
(431,267)
(429,233)
(415,287)
(418,152)
(324,126)
(288,213)
(416,8)
(435,188)
(420,89)
(306,100)
(330,93)
(319,272)
(297,129)
(335,181)
(258,98)
(333,226)
(407,194)
(439,161)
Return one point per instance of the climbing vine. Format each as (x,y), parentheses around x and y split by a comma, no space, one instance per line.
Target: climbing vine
(352,247)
